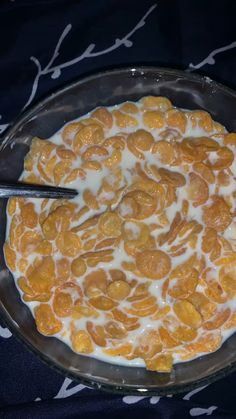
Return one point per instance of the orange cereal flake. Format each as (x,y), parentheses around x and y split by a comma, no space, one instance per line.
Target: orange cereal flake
(46,321)
(154,119)
(153,264)
(217,215)
(230,139)
(118,290)
(123,120)
(187,313)
(62,304)
(68,243)
(198,190)
(88,135)
(156,102)
(42,276)
(161,363)
(176,119)
(103,116)
(81,342)
(110,224)
(95,283)
(129,107)
(78,267)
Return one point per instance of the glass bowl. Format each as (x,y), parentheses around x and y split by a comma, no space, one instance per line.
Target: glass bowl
(185,90)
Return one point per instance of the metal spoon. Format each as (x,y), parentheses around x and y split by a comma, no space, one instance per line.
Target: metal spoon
(25,190)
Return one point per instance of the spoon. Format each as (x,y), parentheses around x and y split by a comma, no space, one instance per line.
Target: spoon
(26,190)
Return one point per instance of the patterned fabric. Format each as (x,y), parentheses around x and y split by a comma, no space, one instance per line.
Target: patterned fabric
(47,43)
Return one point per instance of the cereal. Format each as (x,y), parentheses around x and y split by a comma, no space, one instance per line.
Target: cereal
(217,215)
(141,265)
(129,107)
(95,283)
(198,190)
(123,120)
(81,342)
(204,171)
(201,119)
(154,119)
(46,321)
(187,313)
(142,139)
(156,102)
(153,264)
(89,135)
(165,151)
(78,267)
(57,221)
(185,278)
(176,119)
(225,158)
(62,270)
(167,339)
(42,277)
(161,363)
(102,303)
(103,116)
(62,304)
(115,330)
(118,290)
(149,344)
(68,243)
(230,139)
(110,224)
(29,216)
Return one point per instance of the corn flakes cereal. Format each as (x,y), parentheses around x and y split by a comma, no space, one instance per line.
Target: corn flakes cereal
(140,267)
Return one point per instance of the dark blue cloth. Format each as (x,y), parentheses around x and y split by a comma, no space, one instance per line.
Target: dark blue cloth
(198,35)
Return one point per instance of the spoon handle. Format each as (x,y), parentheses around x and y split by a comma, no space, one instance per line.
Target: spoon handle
(26,190)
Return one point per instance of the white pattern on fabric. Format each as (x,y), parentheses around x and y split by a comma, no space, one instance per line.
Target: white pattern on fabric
(5,333)
(191,393)
(67,392)
(210,58)
(198,411)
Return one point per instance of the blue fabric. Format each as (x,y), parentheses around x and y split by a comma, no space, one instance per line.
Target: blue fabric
(197,35)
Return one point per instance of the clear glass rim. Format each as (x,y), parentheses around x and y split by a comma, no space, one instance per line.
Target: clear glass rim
(93,383)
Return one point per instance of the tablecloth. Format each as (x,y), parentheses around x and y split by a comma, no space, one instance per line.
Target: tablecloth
(47,43)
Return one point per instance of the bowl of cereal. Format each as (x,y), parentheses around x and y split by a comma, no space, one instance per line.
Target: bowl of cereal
(129,287)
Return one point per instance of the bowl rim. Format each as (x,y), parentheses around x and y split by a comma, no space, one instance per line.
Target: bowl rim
(93,382)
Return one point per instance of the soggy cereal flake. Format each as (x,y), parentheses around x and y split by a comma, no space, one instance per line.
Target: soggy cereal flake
(103,116)
(198,190)
(176,119)
(89,135)
(118,290)
(153,264)
(187,313)
(46,321)
(110,224)
(154,119)
(78,267)
(123,120)
(81,342)
(62,304)
(217,215)
(156,102)
(160,363)
(68,243)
